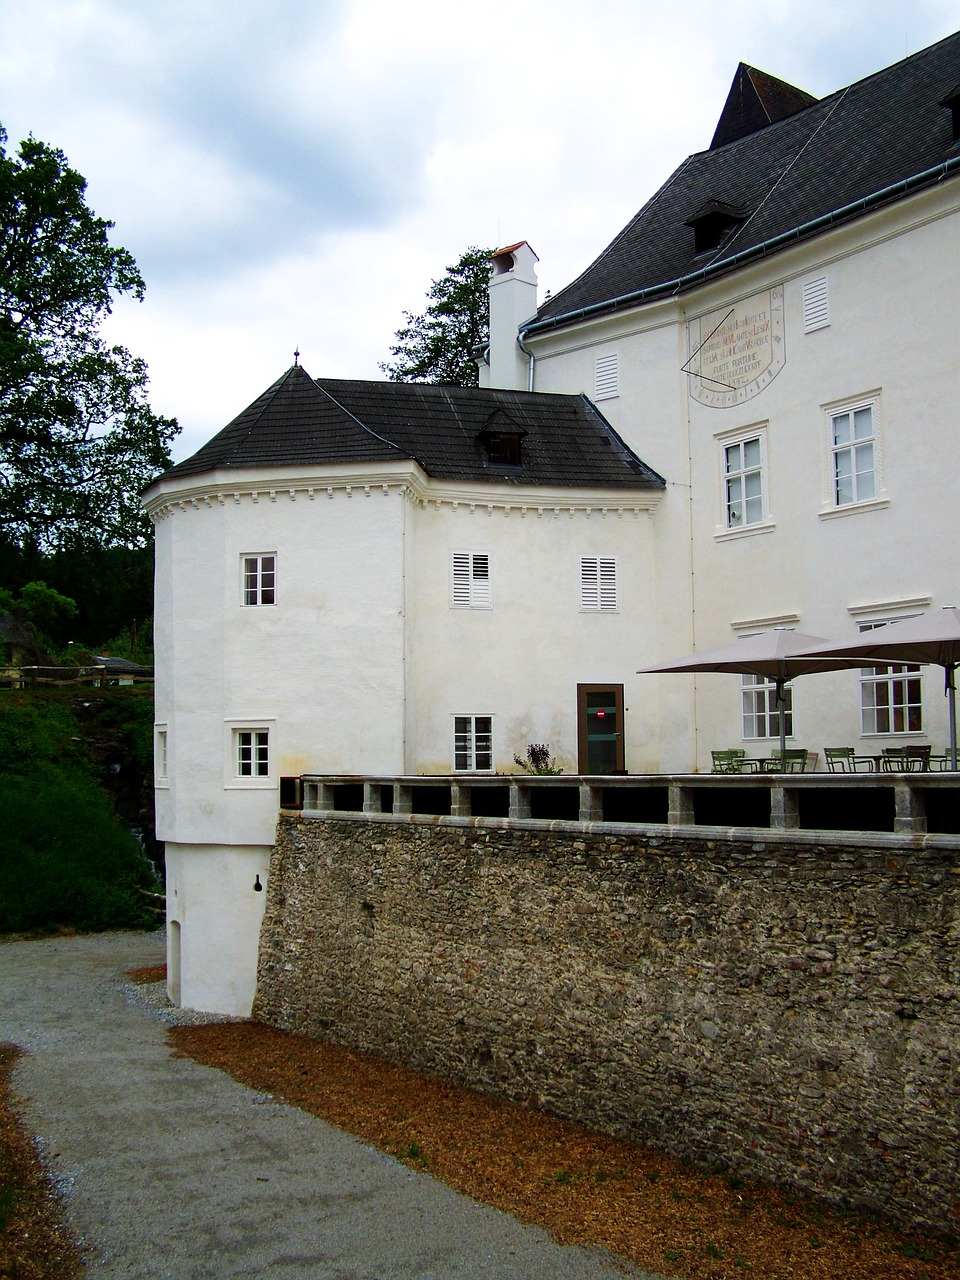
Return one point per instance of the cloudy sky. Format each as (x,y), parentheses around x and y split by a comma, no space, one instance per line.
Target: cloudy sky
(293,173)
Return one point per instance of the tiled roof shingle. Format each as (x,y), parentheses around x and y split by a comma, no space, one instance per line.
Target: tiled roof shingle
(302,421)
(862,143)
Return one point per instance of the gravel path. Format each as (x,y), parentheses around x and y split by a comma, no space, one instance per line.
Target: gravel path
(173,1170)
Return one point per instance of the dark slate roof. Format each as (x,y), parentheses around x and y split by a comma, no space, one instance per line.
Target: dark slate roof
(303,421)
(755,100)
(863,146)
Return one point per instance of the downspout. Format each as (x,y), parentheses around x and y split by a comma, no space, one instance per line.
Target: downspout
(531,358)
(681,283)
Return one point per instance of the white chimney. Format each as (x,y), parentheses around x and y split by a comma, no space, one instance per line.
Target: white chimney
(513,299)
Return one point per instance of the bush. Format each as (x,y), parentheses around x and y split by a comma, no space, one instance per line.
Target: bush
(64,858)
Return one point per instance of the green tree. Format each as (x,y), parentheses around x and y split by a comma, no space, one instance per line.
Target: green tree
(49,612)
(78,440)
(437,346)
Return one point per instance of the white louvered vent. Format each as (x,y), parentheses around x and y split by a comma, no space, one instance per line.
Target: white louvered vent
(598,582)
(606,377)
(470,580)
(816,305)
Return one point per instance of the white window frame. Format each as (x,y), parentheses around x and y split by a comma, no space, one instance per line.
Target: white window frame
(858,501)
(758,709)
(161,755)
(893,688)
(472,743)
(470,573)
(258,579)
(599,584)
(606,376)
(728,527)
(234,741)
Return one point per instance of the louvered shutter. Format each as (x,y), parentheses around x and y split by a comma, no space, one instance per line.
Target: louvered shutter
(606,381)
(598,582)
(816,304)
(470,579)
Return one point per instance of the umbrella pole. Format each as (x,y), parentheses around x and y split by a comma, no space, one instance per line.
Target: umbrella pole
(782,719)
(950,677)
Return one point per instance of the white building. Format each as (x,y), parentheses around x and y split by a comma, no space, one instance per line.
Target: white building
(384,578)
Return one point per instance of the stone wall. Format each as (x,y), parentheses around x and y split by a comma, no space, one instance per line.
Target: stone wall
(787,1007)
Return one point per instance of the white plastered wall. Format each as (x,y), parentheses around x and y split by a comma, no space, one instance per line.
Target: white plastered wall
(892,279)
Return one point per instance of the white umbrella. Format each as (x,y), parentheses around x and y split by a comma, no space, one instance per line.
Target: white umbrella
(777,655)
(932,638)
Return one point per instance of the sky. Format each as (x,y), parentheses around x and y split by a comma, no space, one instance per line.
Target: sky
(293,174)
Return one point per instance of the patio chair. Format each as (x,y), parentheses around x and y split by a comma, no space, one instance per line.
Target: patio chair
(845,760)
(790,760)
(729,761)
(906,759)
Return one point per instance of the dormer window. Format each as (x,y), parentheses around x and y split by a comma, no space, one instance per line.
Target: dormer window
(502,440)
(713,223)
(952,103)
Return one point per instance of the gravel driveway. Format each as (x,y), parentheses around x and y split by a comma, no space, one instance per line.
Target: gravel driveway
(173,1170)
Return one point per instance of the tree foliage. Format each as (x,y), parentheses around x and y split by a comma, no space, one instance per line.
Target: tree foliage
(437,346)
(78,440)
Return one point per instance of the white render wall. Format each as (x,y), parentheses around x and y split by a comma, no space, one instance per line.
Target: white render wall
(893,279)
(361,664)
(521,660)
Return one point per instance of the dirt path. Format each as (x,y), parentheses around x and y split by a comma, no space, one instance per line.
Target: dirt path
(173,1171)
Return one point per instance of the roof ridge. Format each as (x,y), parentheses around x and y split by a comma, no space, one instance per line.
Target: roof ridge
(362,425)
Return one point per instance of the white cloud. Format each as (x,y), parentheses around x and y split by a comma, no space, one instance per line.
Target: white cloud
(298,171)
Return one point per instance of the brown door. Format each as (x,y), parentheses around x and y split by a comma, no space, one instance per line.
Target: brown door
(600,727)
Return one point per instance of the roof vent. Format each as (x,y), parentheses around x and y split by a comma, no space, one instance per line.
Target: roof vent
(502,439)
(713,222)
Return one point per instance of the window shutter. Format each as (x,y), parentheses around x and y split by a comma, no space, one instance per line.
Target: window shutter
(470,580)
(607,583)
(598,582)
(816,305)
(606,381)
(480,581)
(461,580)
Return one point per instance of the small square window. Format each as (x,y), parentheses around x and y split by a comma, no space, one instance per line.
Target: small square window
(259,580)
(252,753)
(472,744)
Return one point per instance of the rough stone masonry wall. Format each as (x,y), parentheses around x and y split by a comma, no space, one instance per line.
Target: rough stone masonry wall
(792,1010)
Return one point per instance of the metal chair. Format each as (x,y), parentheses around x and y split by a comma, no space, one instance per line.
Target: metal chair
(906,759)
(729,761)
(791,760)
(845,760)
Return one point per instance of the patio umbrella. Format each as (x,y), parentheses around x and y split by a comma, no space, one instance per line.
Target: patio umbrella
(777,655)
(932,638)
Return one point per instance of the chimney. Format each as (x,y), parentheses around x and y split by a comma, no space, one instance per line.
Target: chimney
(513,299)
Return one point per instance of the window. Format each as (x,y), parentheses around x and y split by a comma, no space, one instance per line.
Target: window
(890,696)
(598,583)
(259,579)
(472,743)
(853,454)
(743,482)
(761,716)
(816,304)
(252,753)
(606,376)
(470,580)
(160,756)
